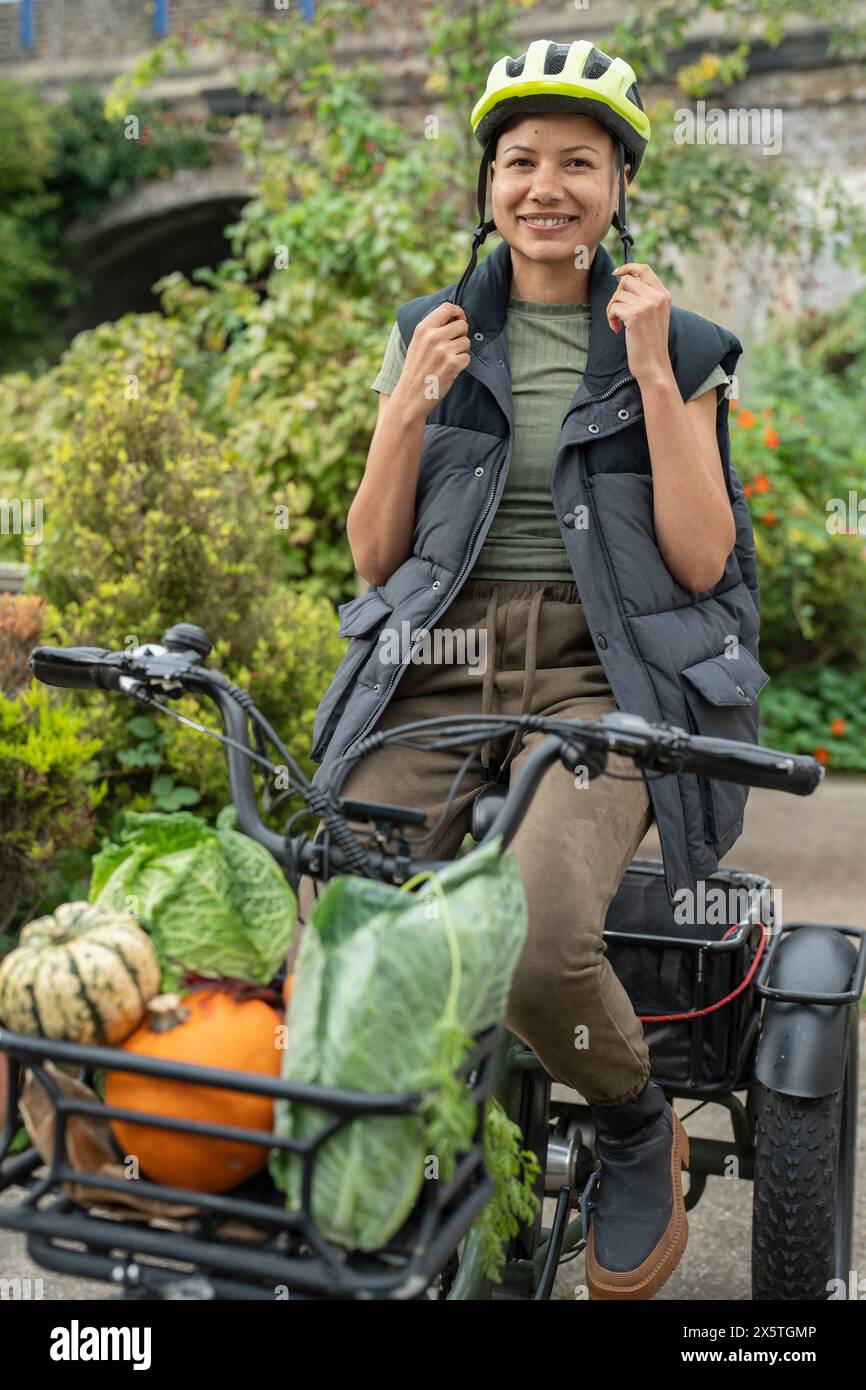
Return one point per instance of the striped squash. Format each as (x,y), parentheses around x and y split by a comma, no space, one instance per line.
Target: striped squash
(83,974)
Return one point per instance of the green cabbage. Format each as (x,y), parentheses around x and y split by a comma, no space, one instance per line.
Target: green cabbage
(213,900)
(373,982)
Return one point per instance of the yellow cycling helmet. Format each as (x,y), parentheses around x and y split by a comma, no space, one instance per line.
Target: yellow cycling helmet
(561,77)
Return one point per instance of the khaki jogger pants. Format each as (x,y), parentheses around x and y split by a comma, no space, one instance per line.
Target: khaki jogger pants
(526,648)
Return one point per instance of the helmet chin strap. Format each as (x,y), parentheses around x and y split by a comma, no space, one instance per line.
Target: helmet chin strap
(618,218)
(484,228)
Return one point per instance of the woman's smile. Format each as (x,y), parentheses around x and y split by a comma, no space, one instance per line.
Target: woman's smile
(546,225)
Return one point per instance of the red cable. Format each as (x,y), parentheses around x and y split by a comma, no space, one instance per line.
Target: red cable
(698,1013)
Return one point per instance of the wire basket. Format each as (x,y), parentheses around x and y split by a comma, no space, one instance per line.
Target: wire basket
(244,1243)
(691,984)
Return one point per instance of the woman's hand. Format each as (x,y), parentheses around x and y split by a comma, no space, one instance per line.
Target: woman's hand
(437,354)
(642,305)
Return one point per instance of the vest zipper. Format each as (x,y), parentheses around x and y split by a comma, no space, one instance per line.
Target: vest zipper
(436,616)
(602,396)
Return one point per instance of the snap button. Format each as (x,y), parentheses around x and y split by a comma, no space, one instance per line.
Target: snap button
(375,687)
(479,337)
(623,414)
(435,583)
(601,641)
(569,519)
(479,472)
(593,429)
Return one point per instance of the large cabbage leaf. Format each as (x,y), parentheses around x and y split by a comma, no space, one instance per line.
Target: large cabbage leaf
(213,900)
(372,978)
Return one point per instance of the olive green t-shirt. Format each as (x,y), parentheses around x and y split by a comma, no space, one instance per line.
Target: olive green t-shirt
(548,345)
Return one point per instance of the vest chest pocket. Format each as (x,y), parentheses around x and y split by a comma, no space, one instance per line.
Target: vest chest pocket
(360,619)
(721,696)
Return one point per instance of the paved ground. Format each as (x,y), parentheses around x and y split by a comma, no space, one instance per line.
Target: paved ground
(814,850)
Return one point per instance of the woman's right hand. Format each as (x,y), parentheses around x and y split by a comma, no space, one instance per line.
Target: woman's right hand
(437,354)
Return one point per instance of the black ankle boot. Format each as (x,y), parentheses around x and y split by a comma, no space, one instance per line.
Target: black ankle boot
(632,1208)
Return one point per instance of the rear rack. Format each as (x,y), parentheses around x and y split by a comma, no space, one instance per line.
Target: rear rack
(284,1254)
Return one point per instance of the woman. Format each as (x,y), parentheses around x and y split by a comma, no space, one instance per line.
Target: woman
(537,478)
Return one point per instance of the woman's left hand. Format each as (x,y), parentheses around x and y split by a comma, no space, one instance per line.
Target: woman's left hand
(642,305)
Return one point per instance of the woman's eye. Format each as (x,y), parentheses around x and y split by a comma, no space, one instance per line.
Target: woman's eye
(577,160)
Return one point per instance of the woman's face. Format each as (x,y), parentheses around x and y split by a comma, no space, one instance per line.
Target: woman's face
(554,166)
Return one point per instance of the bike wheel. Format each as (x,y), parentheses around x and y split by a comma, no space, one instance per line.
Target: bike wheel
(804,1188)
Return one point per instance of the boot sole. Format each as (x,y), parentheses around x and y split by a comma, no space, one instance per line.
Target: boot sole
(646,1280)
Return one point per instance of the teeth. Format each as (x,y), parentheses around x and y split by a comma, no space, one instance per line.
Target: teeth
(547,221)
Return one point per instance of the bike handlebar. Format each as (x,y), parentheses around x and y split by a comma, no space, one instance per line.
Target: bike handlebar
(176,669)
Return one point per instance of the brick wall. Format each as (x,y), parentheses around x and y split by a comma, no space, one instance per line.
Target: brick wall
(70,30)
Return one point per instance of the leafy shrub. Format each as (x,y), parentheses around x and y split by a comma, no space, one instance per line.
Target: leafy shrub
(821,711)
(149,521)
(801,456)
(94,163)
(46,800)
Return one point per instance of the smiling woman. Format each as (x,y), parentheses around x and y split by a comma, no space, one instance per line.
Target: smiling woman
(551,466)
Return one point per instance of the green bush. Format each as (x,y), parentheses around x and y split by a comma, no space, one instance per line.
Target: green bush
(46,794)
(798,447)
(150,521)
(94,163)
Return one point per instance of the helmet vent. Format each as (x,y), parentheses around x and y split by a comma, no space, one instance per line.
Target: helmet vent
(514,66)
(555,60)
(596,63)
(634,95)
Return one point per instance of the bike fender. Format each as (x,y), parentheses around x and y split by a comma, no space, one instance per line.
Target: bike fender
(801,1050)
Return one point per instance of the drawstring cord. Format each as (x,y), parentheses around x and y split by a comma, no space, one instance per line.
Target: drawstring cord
(489,667)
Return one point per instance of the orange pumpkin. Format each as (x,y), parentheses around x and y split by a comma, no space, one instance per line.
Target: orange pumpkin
(288,986)
(210,1028)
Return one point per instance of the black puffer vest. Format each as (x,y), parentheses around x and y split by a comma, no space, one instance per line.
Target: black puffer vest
(670,655)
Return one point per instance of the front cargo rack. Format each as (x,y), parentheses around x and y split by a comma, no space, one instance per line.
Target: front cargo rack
(244,1244)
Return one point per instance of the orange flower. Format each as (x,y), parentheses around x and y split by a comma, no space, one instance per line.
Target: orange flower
(771,439)
(838,727)
(748,489)
(770,519)
(821,754)
(746,420)
(733,404)
(762,483)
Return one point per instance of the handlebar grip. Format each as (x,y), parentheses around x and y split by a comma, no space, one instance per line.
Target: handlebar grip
(729,761)
(74,668)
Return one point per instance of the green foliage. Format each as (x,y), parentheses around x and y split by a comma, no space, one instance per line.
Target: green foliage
(33,287)
(95,161)
(800,454)
(514,1170)
(59,164)
(46,794)
(150,521)
(820,711)
(795,456)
